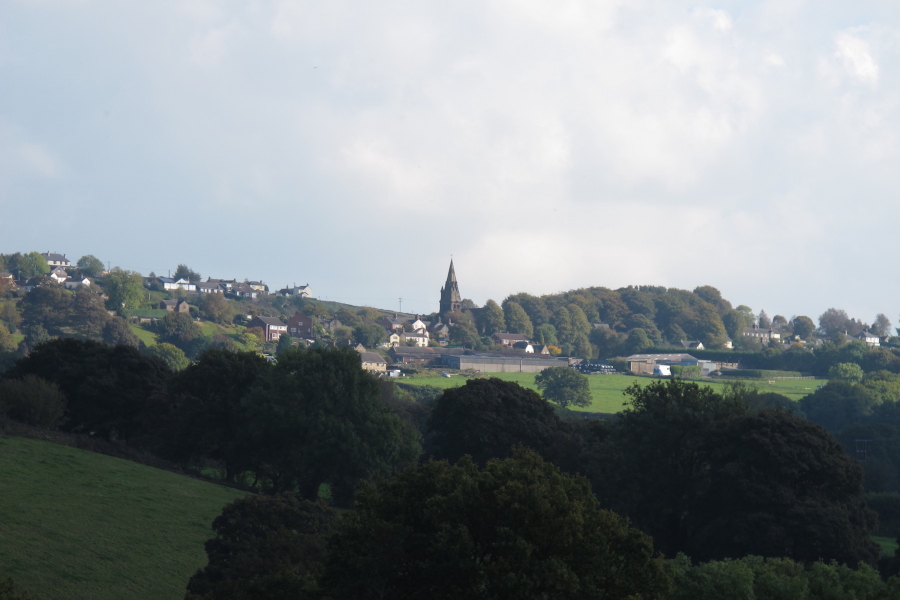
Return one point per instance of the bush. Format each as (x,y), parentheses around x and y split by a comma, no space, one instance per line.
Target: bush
(33,401)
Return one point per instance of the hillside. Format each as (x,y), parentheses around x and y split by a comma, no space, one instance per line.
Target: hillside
(82,525)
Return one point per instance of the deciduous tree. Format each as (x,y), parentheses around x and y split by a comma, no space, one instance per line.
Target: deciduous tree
(185,272)
(564,386)
(487,418)
(317,417)
(90,265)
(491,319)
(178,329)
(517,320)
(124,288)
(169,354)
(117,332)
(216,308)
(266,547)
(803,326)
(517,528)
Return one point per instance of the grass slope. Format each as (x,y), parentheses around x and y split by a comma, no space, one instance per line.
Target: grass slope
(77,524)
(607,389)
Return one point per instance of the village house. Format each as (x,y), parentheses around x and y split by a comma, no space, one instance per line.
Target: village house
(301,326)
(272,327)
(171,285)
(56,260)
(330,324)
(59,275)
(259,286)
(871,339)
(242,290)
(372,361)
(508,339)
(414,354)
(393,339)
(692,344)
(208,287)
(300,291)
(176,306)
(419,337)
(763,335)
(392,324)
(73,284)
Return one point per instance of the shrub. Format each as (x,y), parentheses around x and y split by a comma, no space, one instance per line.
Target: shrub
(33,401)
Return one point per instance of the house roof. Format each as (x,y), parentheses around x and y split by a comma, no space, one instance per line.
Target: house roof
(416,351)
(48,256)
(654,357)
(270,321)
(165,280)
(518,337)
(372,357)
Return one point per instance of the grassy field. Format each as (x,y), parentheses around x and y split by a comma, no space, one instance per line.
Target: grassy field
(607,389)
(77,524)
(148,337)
(888,545)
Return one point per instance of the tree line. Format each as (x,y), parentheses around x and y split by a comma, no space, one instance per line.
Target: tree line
(476,488)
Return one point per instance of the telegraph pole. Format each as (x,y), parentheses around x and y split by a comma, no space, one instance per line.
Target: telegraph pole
(401,305)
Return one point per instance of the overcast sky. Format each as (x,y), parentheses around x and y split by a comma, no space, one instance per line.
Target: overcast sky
(355,146)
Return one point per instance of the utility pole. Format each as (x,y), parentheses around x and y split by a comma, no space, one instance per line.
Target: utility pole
(401,305)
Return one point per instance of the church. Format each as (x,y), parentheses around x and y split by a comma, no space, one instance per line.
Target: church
(451,301)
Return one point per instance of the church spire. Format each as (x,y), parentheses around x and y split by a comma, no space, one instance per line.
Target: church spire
(451,300)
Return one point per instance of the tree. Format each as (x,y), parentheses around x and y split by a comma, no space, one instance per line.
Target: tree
(803,326)
(48,306)
(112,391)
(216,308)
(735,322)
(833,321)
(653,467)
(26,266)
(464,333)
(117,332)
(178,329)
(562,321)
(7,343)
(846,372)
(881,325)
(90,265)
(317,417)
(10,316)
(184,272)
(124,288)
(32,401)
(284,343)
(487,418)
(370,335)
(775,480)
(564,386)
(517,320)
(491,319)
(169,354)
(546,334)
(266,547)
(839,404)
(88,314)
(518,528)
(636,342)
(763,320)
(210,415)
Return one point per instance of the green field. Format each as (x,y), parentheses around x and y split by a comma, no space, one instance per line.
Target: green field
(607,389)
(148,337)
(888,545)
(76,524)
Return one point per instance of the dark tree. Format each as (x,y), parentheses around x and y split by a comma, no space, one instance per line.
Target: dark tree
(32,401)
(178,329)
(210,417)
(833,321)
(839,404)
(517,529)
(781,487)
(803,326)
(48,306)
(112,391)
(284,343)
(88,314)
(655,462)
(266,548)
(185,272)
(316,418)
(487,418)
(90,265)
(564,386)
(116,332)
(370,335)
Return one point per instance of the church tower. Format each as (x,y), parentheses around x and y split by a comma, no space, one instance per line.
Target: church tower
(450,298)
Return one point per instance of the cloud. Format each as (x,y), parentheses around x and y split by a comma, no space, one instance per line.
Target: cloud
(545,145)
(856,57)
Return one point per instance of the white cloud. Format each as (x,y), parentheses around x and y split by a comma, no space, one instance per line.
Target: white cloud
(856,57)
(548,145)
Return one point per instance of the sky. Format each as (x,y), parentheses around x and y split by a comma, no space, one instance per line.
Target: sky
(356,146)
